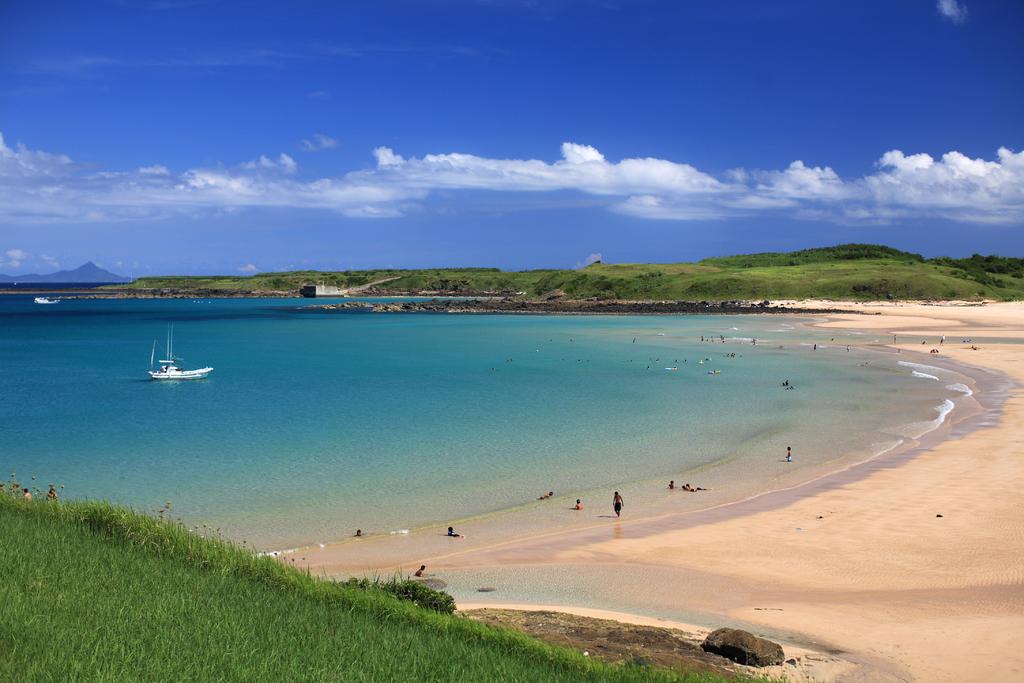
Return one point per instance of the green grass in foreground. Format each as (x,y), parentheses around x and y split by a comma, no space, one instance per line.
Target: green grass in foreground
(92,591)
(847,272)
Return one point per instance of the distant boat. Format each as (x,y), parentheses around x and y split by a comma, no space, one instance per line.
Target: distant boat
(46,300)
(169,368)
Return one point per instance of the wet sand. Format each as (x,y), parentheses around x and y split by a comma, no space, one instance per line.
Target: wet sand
(858,561)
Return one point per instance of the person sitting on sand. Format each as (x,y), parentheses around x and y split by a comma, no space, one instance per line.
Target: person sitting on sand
(359,533)
(579,504)
(671,484)
(451,532)
(421,572)
(687,487)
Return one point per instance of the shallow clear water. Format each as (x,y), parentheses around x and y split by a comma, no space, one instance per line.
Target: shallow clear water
(313,424)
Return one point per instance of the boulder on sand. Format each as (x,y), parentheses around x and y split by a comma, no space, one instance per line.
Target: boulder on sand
(743,647)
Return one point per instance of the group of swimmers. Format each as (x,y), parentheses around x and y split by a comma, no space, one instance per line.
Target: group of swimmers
(685,487)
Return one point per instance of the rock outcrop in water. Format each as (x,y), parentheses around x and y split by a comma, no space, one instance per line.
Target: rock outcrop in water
(548,306)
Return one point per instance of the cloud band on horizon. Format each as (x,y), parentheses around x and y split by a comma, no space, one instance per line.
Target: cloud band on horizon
(39,186)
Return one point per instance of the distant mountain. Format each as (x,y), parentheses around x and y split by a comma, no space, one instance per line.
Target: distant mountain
(87,272)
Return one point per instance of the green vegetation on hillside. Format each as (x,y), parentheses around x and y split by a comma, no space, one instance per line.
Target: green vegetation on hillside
(848,271)
(92,591)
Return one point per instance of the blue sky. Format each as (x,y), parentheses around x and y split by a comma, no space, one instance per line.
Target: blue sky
(193,137)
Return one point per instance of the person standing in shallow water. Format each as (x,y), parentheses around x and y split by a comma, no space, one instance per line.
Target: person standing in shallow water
(789,454)
(617,504)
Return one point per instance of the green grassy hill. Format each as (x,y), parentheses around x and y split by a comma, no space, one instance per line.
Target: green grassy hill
(848,272)
(94,592)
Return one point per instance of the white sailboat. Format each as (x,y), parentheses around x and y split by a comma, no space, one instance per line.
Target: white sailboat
(169,368)
(46,300)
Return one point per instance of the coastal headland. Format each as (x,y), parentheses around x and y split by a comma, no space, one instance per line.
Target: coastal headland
(904,567)
(847,272)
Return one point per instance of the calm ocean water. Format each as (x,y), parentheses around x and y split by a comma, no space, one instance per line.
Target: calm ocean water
(313,424)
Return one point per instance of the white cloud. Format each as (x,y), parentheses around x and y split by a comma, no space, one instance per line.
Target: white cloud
(283,163)
(248,268)
(952,10)
(15,257)
(51,261)
(40,186)
(318,142)
(592,257)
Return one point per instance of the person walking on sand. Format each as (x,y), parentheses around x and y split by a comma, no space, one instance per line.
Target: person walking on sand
(789,454)
(617,504)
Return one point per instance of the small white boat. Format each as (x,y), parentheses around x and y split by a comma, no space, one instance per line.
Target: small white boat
(46,300)
(169,368)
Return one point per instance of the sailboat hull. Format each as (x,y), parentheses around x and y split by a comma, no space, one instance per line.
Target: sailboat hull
(176,374)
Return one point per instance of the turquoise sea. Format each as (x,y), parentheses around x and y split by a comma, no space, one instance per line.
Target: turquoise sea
(316,423)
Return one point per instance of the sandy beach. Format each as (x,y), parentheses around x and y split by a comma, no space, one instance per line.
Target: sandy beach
(909,567)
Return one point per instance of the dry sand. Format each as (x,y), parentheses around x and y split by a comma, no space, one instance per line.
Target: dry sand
(867,566)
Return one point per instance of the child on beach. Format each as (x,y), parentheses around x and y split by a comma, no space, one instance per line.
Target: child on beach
(421,572)
(579,504)
(451,533)
(671,484)
(789,454)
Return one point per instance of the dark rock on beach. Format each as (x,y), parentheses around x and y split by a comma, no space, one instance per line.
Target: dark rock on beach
(612,641)
(743,647)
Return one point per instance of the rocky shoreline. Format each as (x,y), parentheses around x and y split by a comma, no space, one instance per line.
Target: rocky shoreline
(567,306)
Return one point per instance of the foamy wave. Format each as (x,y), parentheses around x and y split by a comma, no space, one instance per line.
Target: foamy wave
(915,430)
(962,388)
(945,409)
(923,375)
(919,366)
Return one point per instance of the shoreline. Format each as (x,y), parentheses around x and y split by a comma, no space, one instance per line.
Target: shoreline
(604,554)
(899,450)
